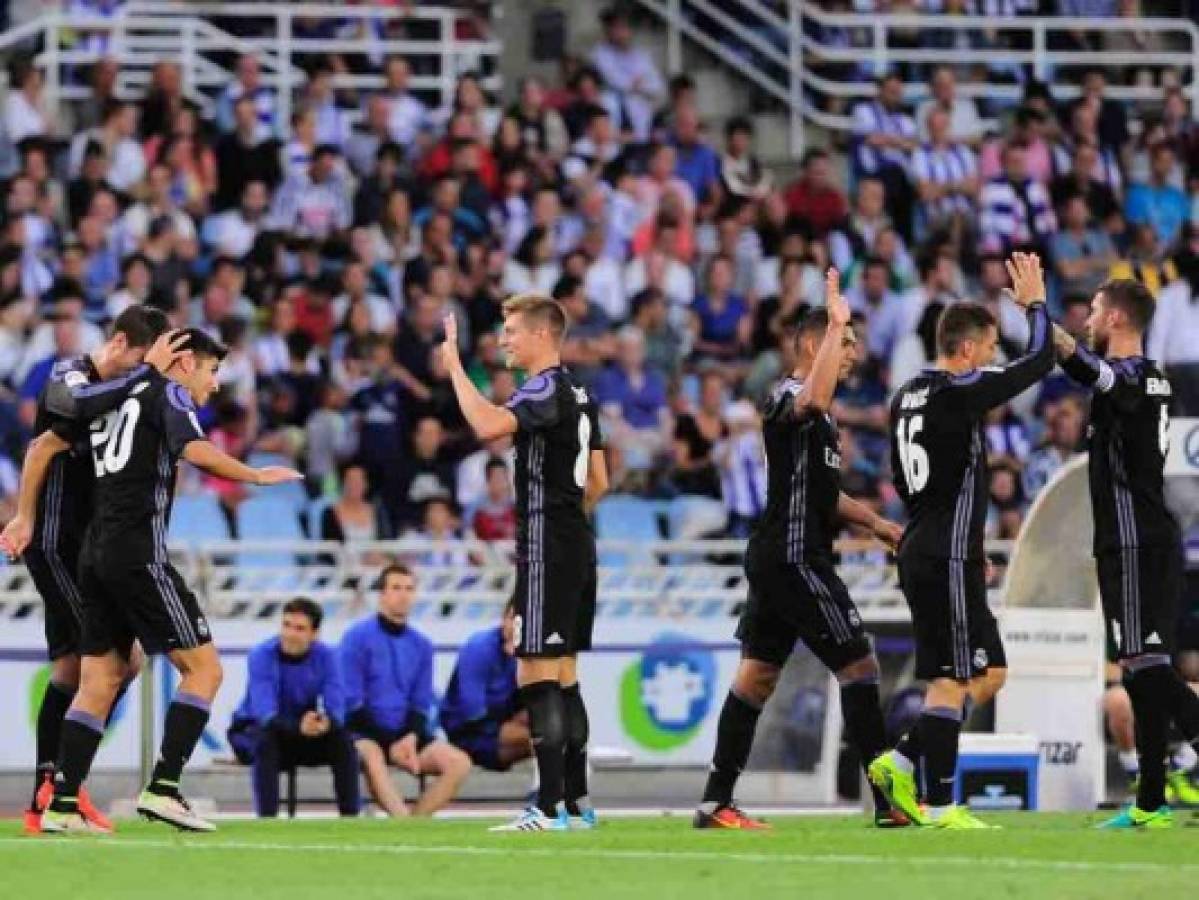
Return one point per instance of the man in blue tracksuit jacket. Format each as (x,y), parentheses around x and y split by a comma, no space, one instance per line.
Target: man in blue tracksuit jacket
(480,712)
(293,713)
(387,669)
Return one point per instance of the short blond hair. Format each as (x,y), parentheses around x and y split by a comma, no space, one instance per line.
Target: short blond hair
(538,310)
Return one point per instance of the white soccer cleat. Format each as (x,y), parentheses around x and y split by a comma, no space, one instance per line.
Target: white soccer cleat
(533,819)
(173,810)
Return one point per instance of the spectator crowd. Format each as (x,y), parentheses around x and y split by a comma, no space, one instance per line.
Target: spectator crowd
(325,251)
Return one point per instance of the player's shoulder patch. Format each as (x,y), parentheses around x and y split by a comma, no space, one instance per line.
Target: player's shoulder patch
(540,387)
(179,398)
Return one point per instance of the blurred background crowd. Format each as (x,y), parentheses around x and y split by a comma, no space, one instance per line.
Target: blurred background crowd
(325,250)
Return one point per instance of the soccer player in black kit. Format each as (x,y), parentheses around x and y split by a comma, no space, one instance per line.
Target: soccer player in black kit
(49,526)
(1138,550)
(560,474)
(139,428)
(794,591)
(938,449)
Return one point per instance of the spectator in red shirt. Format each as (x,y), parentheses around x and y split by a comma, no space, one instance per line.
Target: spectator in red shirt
(495,519)
(463,126)
(815,197)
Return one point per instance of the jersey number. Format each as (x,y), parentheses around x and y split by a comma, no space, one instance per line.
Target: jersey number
(112,438)
(912,457)
(584,450)
(1163,432)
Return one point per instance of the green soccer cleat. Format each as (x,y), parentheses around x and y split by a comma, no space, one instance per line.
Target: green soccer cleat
(1181,791)
(1134,818)
(898,786)
(959,818)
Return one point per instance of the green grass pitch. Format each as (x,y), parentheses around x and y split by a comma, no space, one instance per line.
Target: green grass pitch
(1036,855)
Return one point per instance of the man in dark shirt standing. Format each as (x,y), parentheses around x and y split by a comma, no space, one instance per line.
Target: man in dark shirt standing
(1138,547)
(560,473)
(938,446)
(49,526)
(794,591)
(140,427)
(294,711)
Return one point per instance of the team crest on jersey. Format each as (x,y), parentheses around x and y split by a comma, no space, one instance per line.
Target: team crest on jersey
(854,619)
(202,627)
(980,658)
(74,379)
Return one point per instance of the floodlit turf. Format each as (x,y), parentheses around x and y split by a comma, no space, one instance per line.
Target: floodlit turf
(1052,856)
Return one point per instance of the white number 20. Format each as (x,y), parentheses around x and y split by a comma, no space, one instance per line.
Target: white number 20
(912,457)
(584,451)
(112,438)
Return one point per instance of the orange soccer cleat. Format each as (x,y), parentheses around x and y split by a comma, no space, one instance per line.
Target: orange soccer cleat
(91,814)
(729,818)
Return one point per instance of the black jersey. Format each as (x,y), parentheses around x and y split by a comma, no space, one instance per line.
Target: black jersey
(1128,439)
(138,427)
(65,506)
(557,428)
(803,464)
(938,446)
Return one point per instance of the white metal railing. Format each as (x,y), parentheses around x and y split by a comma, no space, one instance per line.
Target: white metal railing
(147,32)
(779,48)
(672,579)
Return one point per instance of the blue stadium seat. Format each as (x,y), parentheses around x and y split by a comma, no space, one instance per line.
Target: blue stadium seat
(197,517)
(268,518)
(622,517)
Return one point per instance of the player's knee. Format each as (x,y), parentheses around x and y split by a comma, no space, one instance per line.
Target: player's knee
(756,681)
(65,671)
(457,763)
(996,678)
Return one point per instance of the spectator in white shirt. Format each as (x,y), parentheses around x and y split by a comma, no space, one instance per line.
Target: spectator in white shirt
(270,348)
(117,134)
(332,122)
(661,269)
(534,268)
(629,72)
(888,314)
(408,116)
(356,289)
(297,153)
(659,179)
(1174,333)
(247,82)
(946,176)
(134,224)
(965,126)
(24,110)
(233,232)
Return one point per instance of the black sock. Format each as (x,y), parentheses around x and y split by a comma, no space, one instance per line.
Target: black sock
(1149,691)
(734,738)
(940,727)
(578,731)
(186,717)
(55,703)
(547,723)
(81,733)
(864,726)
(1183,704)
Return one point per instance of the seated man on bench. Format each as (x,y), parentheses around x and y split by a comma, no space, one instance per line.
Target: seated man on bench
(480,713)
(387,666)
(293,713)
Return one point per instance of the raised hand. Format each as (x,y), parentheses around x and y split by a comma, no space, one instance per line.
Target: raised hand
(449,348)
(1028,279)
(268,475)
(837,305)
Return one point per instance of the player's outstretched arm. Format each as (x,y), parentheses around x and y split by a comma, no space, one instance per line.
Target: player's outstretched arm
(818,390)
(486,419)
(205,455)
(859,514)
(986,388)
(19,532)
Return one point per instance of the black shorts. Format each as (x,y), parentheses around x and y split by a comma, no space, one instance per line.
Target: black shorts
(956,633)
(148,602)
(54,573)
(789,602)
(555,601)
(1140,589)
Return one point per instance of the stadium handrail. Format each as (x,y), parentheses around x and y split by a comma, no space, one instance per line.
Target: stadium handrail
(244,579)
(782,67)
(146,32)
